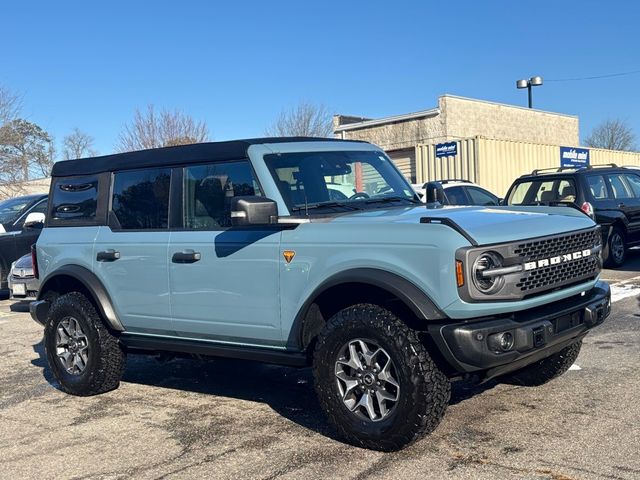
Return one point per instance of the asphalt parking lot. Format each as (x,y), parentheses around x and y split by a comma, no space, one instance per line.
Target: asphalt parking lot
(233,419)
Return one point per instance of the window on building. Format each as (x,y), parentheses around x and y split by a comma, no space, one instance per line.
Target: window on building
(75,198)
(141,198)
(208,190)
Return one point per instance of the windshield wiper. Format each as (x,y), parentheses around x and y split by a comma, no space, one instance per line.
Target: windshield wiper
(300,208)
(391,199)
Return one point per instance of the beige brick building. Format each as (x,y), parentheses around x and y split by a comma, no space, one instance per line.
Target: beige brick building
(457,118)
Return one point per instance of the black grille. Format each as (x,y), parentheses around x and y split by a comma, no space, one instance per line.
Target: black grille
(548,277)
(553,246)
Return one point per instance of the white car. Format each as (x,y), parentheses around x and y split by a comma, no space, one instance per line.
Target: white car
(461,192)
(22,282)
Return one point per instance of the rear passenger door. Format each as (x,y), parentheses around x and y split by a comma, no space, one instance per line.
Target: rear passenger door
(623,187)
(130,254)
(224,280)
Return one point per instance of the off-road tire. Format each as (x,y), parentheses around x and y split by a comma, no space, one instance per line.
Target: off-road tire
(546,369)
(609,259)
(106,359)
(424,389)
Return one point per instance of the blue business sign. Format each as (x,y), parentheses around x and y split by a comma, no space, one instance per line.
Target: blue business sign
(574,157)
(449,149)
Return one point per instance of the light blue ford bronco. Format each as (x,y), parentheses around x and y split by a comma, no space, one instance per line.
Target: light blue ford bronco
(310,252)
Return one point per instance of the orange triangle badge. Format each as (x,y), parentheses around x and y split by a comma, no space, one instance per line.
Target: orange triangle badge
(288,255)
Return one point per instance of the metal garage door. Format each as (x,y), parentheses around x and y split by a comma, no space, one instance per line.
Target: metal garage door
(406,161)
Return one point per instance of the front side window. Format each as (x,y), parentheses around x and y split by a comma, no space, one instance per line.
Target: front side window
(338,180)
(619,186)
(208,190)
(456,196)
(11,209)
(634,183)
(75,198)
(480,197)
(141,198)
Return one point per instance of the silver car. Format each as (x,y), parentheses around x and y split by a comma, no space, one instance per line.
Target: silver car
(22,282)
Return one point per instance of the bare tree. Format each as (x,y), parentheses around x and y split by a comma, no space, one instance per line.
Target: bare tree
(26,152)
(10,105)
(77,145)
(612,134)
(304,120)
(167,128)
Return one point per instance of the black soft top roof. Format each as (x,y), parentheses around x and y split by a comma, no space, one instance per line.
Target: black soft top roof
(197,152)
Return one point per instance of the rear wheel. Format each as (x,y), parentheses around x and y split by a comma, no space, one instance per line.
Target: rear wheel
(375,380)
(84,356)
(546,369)
(615,251)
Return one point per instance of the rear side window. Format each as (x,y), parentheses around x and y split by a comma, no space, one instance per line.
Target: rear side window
(597,187)
(208,190)
(75,199)
(140,199)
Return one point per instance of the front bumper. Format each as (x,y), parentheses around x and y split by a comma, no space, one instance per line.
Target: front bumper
(471,347)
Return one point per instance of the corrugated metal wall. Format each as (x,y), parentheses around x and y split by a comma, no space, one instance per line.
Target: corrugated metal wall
(495,164)
(461,166)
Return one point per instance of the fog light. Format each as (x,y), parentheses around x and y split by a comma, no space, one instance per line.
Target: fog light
(501,342)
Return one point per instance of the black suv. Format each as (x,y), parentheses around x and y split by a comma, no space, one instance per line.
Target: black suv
(608,193)
(17,234)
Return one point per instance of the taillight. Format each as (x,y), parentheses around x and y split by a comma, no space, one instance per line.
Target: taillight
(587,208)
(34,261)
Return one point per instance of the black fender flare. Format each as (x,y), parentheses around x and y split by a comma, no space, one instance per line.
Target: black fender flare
(405,290)
(92,284)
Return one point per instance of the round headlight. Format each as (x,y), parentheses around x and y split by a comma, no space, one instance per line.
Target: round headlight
(487,284)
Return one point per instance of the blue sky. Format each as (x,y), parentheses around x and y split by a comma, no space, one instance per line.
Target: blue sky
(238,64)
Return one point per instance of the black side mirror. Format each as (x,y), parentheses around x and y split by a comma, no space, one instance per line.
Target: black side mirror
(435,194)
(252,210)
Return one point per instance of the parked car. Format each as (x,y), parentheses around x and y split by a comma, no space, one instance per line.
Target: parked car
(461,192)
(237,249)
(21,221)
(22,282)
(607,193)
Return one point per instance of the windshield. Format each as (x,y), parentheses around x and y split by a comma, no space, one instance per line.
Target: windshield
(11,209)
(338,180)
(543,191)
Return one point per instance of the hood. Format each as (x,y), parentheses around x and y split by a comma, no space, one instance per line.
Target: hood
(486,225)
(24,262)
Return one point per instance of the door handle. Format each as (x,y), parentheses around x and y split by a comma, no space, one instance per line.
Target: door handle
(621,205)
(108,256)
(187,256)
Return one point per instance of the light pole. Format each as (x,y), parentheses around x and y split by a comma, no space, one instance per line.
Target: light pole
(532,82)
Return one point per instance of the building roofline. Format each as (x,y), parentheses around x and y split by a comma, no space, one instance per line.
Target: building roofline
(477,100)
(386,120)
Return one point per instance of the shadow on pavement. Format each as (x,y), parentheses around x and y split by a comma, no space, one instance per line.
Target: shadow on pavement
(288,391)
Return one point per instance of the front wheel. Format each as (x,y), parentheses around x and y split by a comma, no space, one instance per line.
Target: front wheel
(375,380)
(84,356)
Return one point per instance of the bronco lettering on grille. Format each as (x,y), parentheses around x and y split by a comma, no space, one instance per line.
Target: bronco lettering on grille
(568,257)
